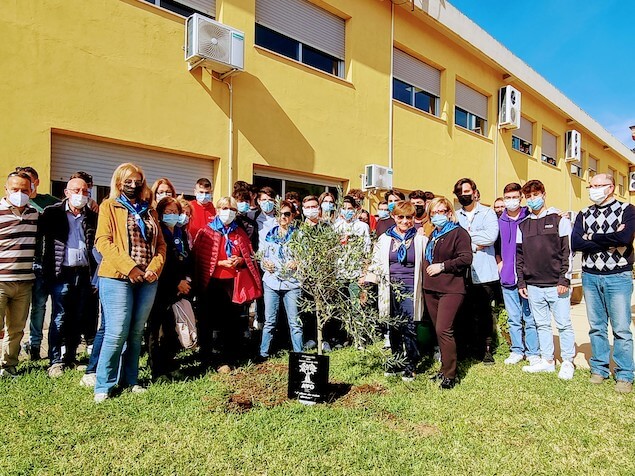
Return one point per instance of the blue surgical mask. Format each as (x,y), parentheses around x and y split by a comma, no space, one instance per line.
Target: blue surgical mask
(203,198)
(243,207)
(171,219)
(267,206)
(383,214)
(183,219)
(391,206)
(347,214)
(536,203)
(328,206)
(439,220)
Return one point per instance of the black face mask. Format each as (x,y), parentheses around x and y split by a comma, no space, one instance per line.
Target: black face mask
(131,191)
(420,210)
(465,200)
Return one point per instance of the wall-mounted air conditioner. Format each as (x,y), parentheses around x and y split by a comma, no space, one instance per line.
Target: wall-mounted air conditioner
(631,182)
(572,145)
(378,177)
(214,45)
(509,111)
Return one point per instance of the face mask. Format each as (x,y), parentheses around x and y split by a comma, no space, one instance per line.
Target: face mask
(383,214)
(171,219)
(162,195)
(227,216)
(183,219)
(391,206)
(78,200)
(536,203)
(347,214)
(18,199)
(439,220)
(598,195)
(267,206)
(203,197)
(327,206)
(419,210)
(311,213)
(131,191)
(465,200)
(512,204)
(243,207)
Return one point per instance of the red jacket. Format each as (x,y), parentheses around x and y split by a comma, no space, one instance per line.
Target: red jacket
(247,284)
(202,215)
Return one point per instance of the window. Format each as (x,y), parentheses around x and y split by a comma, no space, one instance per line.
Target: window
(470,111)
(621,184)
(549,148)
(303,32)
(415,83)
(522,138)
(576,168)
(283,183)
(593,167)
(188,7)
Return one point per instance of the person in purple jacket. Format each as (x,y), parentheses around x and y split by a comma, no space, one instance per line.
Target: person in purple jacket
(519,317)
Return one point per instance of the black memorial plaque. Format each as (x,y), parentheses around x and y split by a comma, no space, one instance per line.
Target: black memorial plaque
(308,377)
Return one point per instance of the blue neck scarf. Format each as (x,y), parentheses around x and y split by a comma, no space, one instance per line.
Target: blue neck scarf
(138,210)
(177,238)
(403,249)
(218,226)
(274,237)
(436,234)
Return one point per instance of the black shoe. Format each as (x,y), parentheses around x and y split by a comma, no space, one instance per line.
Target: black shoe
(488,358)
(35,353)
(447,383)
(437,377)
(408,376)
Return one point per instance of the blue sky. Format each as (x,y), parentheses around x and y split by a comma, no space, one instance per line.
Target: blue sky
(582,47)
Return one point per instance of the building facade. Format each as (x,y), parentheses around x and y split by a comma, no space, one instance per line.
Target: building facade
(328,87)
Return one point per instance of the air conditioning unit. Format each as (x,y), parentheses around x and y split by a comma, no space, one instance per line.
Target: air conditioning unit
(572,145)
(377,176)
(509,112)
(212,44)
(631,182)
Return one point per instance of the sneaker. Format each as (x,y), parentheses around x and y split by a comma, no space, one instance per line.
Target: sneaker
(533,359)
(386,341)
(392,372)
(100,397)
(488,358)
(310,344)
(88,380)
(437,354)
(56,370)
(408,376)
(138,389)
(447,383)
(566,370)
(89,349)
(541,366)
(513,358)
(622,386)
(597,379)
(8,373)
(326,347)
(34,353)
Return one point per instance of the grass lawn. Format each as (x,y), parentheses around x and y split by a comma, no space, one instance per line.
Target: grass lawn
(497,421)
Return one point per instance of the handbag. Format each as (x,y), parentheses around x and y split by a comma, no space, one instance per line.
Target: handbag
(185,323)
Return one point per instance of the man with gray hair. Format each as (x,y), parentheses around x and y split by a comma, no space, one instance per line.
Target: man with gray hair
(604,233)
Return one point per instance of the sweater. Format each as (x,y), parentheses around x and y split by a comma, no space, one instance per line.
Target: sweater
(202,215)
(508,231)
(18,232)
(454,250)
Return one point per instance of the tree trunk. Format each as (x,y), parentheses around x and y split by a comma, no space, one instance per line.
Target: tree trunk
(318,323)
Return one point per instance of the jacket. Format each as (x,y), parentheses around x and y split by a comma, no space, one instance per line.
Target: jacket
(113,243)
(483,230)
(283,278)
(202,215)
(205,250)
(455,252)
(177,268)
(508,230)
(53,229)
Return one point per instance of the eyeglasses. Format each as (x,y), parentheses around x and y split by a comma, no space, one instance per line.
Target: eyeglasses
(286,214)
(401,217)
(600,185)
(83,191)
(136,183)
(438,212)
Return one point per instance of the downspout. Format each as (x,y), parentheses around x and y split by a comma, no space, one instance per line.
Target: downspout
(230,147)
(390,104)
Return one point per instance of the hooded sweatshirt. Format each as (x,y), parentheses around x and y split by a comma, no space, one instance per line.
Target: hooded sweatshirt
(508,230)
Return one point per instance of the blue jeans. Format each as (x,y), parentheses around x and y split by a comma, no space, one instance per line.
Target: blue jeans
(519,319)
(544,302)
(608,297)
(40,294)
(272,300)
(126,308)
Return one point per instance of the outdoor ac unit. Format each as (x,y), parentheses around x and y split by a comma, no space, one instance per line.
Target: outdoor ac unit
(572,145)
(212,44)
(377,176)
(631,182)
(509,113)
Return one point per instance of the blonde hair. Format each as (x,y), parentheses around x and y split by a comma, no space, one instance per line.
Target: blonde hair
(121,173)
(403,207)
(226,201)
(443,201)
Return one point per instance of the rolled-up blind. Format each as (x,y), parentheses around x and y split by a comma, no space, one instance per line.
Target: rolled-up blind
(525,131)
(549,142)
(412,71)
(471,101)
(204,6)
(304,22)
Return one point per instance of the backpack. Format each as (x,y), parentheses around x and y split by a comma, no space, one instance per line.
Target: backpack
(185,323)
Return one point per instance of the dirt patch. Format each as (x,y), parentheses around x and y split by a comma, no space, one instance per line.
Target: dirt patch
(395,423)
(358,395)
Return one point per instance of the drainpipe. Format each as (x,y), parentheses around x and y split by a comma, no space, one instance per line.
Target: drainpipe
(230,132)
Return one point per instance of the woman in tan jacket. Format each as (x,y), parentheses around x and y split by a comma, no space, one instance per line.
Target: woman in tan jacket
(131,243)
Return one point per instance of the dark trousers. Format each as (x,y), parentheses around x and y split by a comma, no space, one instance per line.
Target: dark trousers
(70,295)
(89,319)
(443,309)
(403,337)
(475,326)
(163,343)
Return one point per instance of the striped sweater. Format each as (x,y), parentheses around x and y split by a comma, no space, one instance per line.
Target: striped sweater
(17,242)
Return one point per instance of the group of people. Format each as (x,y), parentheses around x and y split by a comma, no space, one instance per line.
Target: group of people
(144,250)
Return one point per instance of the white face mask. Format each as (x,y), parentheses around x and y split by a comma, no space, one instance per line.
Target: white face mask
(78,200)
(163,195)
(311,213)
(18,199)
(512,204)
(227,216)
(598,195)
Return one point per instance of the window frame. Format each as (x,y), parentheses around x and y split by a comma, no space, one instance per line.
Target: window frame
(414,90)
(184,8)
(518,144)
(592,171)
(471,118)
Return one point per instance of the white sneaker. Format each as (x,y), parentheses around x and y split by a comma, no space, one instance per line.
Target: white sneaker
(566,370)
(533,359)
(541,366)
(88,380)
(437,354)
(326,347)
(100,397)
(513,358)
(138,389)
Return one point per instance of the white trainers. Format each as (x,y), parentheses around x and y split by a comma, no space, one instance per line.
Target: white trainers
(100,397)
(541,366)
(437,354)
(533,359)
(88,380)
(138,389)
(513,358)
(566,370)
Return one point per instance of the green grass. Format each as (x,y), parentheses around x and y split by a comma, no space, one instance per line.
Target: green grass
(497,421)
